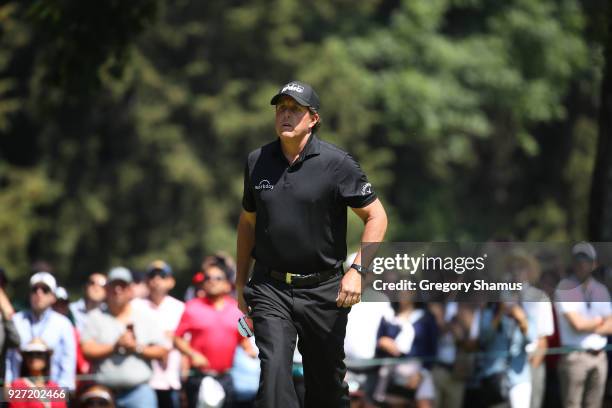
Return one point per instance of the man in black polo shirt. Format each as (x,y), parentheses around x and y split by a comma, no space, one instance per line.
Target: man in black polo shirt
(296,193)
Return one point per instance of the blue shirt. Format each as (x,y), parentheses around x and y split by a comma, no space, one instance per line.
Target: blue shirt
(57,332)
(504,348)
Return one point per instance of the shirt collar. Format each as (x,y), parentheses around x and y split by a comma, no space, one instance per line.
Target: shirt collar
(43,316)
(312,148)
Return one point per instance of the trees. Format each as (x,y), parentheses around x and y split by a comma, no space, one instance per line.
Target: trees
(125,141)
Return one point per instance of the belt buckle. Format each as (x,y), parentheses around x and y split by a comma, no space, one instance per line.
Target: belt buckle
(288,277)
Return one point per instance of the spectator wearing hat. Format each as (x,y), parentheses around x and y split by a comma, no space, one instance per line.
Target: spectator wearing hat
(42,322)
(9,337)
(34,373)
(121,342)
(167,311)
(93,298)
(585,319)
(212,323)
(97,396)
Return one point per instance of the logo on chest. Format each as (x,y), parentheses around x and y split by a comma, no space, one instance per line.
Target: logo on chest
(264,185)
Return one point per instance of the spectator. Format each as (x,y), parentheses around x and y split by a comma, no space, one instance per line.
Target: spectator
(121,342)
(34,373)
(93,298)
(458,328)
(97,396)
(537,306)
(245,377)
(61,304)
(42,322)
(167,311)
(585,319)
(412,333)
(212,323)
(9,337)
(504,333)
(360,341)
(139,285)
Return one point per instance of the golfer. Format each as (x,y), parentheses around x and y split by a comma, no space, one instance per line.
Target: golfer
(296,193)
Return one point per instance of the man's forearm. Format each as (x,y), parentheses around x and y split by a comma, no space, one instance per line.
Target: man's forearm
(244,248)
(375,227)
(94,351)
(183,346)
(154,352)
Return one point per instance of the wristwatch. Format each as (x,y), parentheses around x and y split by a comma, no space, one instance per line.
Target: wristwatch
(362,271)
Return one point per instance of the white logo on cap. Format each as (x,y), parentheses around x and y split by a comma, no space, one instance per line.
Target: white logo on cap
(264,185)
(366,189)
(293,87)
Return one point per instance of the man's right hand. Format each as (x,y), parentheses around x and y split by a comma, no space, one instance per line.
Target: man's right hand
(199,360)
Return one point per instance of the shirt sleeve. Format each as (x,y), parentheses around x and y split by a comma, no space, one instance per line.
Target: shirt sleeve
(248,198)
(184,324)
(90,331)
(353,186)
(67,362)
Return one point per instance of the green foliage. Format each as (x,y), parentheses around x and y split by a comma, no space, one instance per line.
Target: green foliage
(124,125)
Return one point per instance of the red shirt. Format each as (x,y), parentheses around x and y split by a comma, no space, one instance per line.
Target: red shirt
(23,384)
(214,332)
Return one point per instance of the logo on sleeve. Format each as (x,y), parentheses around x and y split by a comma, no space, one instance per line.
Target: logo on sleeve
(366,189)
(264,185)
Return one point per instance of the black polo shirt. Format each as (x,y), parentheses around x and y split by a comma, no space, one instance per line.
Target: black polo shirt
(301,208)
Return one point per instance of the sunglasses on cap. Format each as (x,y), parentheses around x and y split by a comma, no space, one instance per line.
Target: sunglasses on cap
(46,290)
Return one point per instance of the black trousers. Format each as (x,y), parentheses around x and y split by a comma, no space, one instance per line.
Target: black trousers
(281,312)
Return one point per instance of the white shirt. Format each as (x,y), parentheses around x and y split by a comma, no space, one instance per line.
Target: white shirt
(540,312)
(589,300)
(362,328)
(166,375)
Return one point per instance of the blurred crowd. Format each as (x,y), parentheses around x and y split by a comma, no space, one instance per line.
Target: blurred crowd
(127,343)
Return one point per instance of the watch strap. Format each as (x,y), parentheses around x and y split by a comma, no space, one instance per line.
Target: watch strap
(362,270)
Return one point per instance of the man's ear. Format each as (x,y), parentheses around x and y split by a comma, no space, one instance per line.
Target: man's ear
(314,120)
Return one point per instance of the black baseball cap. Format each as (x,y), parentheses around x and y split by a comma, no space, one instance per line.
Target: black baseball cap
(303,93)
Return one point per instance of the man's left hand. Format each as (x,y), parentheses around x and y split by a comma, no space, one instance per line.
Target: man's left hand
(350,289)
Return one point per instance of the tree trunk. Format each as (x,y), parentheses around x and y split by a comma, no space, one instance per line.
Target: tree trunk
(600,209)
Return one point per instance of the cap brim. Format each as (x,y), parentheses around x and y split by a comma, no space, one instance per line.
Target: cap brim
(298,99)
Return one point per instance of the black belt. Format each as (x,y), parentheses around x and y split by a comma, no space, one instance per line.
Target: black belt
(298,280)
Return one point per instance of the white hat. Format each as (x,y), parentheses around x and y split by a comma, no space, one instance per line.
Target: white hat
(211,394)
(45,278)
(36,345)
(584,248)
(61,293)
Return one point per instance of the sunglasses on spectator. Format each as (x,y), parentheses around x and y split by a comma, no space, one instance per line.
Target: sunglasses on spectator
(214,278)
(94,282)
(157,272)
(45,289)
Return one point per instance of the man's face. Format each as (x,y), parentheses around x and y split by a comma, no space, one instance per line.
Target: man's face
(118,293)
(215,282)
(582,268)
(292,119)
(94,288)
(159,284)
(41,297)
